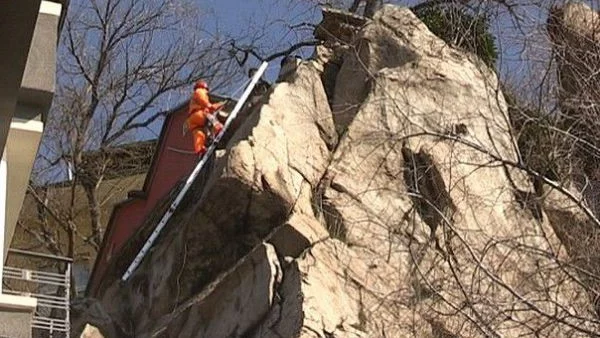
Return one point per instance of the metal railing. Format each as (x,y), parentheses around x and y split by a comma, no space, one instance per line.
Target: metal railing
(51,289)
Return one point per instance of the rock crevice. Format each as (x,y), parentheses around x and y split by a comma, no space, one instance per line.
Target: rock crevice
(340,224)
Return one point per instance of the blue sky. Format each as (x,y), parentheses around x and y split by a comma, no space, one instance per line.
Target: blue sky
(266,25)
(523,54)
(242,18)
(264,21)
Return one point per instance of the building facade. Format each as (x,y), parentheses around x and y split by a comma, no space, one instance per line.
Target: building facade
(29,32)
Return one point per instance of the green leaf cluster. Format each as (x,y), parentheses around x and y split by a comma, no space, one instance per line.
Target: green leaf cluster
(456,26)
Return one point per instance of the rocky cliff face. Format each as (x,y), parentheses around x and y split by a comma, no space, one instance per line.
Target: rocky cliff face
(574,31)
(391,208)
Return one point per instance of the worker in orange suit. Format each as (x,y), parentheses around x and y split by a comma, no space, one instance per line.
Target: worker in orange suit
(201,111)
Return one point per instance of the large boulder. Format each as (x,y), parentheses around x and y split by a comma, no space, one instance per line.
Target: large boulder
(574,31)
(416,223)
(231,306)
(438,203)
(578,228)
(272,163)
(90,331)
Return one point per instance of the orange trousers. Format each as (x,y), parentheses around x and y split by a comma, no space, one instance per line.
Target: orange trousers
(196,123)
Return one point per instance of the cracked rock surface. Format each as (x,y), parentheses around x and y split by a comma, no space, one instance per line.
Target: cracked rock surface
(372,218)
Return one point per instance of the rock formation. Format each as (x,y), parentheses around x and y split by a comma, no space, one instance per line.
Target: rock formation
(387,209)
(90,331)
(574,30)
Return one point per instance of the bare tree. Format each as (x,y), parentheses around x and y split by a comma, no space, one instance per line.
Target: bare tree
(474,286)
(121,66)
(122,60)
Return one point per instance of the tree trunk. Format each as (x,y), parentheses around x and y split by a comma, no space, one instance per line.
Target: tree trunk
(354,6)
(371,6)
(94,209)
(47,233)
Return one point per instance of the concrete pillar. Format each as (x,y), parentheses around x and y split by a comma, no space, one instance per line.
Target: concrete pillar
(16,315)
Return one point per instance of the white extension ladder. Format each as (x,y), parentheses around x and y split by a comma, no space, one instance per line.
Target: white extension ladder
(148,244)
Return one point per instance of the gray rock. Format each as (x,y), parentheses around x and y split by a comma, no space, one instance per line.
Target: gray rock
(91,331)
(405,229)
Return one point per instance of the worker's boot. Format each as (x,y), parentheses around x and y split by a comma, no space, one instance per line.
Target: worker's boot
(201,152)
(199,142)
(217,126)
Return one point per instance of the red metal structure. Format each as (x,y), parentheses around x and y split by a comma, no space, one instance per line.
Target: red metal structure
(173,160)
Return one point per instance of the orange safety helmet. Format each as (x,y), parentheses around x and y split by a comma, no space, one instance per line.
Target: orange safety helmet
(201,84)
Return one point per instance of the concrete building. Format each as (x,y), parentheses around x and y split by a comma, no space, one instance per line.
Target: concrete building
(125,169)
(29,31)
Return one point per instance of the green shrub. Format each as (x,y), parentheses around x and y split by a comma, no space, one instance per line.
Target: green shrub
(457,27)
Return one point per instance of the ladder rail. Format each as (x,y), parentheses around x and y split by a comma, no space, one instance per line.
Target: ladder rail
(192,177)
